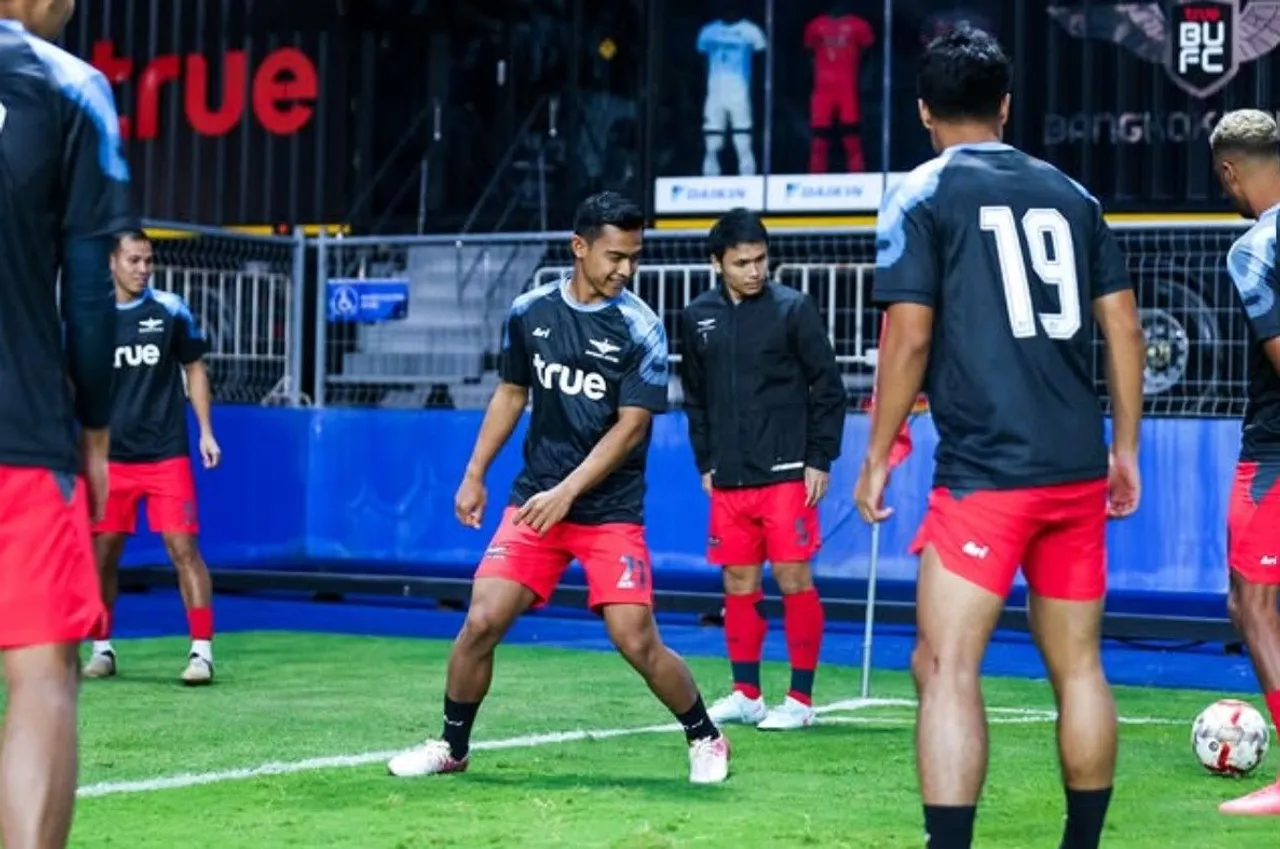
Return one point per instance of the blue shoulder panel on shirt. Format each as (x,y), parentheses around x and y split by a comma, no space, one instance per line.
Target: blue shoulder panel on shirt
(646,331)
(915,188)
(178,308)
(521,305)
(86,87)
(1250,262)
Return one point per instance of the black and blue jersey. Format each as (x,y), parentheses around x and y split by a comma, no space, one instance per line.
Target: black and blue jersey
(64,197)
(1251,262)
(581,364)
(156,336)
(1010,253)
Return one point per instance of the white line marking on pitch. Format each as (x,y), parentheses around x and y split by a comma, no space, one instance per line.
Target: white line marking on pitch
(1003,716)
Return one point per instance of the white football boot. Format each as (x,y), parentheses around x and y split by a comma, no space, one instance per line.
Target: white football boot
(737,709)
(788,716)
(709,760)
(431,758)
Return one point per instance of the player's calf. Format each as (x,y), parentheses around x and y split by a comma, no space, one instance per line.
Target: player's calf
(803,625)
(1253,611)
(196,586)
(635,634)
(745,629)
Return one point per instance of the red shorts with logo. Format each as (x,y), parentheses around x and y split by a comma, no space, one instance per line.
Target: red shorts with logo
(614,557)
(759,523)
(1253,523)
(169,488)
(48,579)
(1058,534)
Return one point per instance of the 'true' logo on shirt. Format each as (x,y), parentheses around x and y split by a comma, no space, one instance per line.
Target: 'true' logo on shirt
(137,355)
(569,381)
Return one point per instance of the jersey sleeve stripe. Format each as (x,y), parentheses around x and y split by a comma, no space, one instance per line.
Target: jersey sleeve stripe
(178,308)
(916,188)
(1251,262)
(646,331)
(88,89)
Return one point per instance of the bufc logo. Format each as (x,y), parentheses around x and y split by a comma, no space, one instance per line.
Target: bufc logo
(1202,43)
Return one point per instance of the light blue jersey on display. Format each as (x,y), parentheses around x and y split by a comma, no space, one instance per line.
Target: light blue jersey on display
(730,47)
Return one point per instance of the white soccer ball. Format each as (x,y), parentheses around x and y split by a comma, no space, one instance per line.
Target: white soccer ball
(1230,737)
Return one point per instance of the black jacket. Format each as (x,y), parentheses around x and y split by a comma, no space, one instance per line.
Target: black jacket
(762,391)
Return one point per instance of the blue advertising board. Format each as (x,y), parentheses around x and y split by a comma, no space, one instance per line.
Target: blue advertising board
(367,300)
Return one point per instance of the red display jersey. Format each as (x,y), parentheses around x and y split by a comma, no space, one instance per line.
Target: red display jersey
(837,45)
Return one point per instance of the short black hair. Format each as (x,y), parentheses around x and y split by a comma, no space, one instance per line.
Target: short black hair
(738,226)
(130,234)
(964,75)
(606,209)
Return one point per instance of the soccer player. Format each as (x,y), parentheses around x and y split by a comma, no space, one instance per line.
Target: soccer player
(65,194)
(593,357)
(1246,154)
(766,406)
(994,267)
(158,344)
(730,46)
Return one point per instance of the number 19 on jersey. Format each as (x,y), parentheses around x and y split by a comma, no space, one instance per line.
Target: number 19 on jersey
(1053,259)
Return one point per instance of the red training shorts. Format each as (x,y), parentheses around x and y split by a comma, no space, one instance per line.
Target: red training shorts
(48,579)
(840,101)
(759,523)
(614,557)
(169,488)
(1057,533)
(1253,523)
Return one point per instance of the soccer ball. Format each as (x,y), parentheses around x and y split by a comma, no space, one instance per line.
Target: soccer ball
(1230,737)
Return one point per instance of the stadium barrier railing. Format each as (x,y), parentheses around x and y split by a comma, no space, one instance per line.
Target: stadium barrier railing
(355,495)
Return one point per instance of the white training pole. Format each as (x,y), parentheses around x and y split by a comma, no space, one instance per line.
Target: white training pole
(871,611)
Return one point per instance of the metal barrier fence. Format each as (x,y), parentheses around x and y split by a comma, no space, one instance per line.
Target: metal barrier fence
(246,294)
(444,352)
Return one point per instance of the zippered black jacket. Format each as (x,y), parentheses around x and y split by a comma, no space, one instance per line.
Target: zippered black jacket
(762,391)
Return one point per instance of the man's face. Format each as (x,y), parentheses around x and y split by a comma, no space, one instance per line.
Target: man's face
(744,268)
(131,265)
(47,18)
(610,261)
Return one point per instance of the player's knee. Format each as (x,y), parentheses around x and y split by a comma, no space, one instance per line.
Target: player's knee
(1252,607)
(742,580)
(46,674)
(793,578)
(942,665)
(482,630)
(184,552)
(638,643)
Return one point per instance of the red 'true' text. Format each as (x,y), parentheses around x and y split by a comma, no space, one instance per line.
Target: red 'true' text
(283,91)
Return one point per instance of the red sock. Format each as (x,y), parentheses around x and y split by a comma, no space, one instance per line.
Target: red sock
(1273,705)
(200,623)
(102,631)
(744,631)
(803,621)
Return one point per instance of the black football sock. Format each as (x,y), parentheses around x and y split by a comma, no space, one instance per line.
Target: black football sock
(458,719)
(1086,811)
(949,826)
(697,724)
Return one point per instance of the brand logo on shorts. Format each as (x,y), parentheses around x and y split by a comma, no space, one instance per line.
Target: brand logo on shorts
(974,550)
(569,381)
(1268,560)
(132,356)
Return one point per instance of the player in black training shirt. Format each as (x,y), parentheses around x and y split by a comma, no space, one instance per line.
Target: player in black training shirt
(1246,154)
(993,267)
(64,195)
(157,343)
(592,357)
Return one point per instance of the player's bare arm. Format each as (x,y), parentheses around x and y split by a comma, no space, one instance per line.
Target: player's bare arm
(903,360)
(693,382)
(500,420)
(827,400)
(545,509)
(1117,316)
(201,396)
